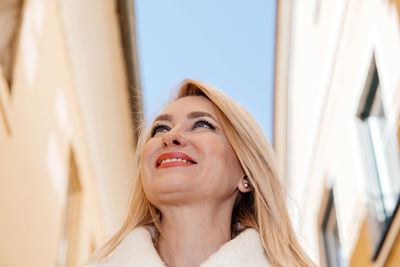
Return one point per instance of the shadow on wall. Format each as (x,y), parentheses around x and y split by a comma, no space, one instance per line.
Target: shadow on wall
(397,4)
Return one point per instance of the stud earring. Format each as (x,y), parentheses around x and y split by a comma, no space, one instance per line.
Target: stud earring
(246,182)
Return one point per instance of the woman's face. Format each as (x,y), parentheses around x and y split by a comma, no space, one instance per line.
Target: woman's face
(188,158)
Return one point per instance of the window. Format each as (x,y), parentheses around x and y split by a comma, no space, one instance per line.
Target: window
(68,247)
(10,18)
(380,144)
(332,246)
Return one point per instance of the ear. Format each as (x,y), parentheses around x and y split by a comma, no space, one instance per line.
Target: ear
(244,185)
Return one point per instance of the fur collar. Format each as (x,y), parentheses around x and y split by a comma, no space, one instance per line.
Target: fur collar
(137,250)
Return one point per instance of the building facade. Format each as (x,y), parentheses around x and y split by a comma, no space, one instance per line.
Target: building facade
(69,104)
(337,127)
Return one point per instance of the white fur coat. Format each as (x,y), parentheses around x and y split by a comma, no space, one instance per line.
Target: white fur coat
(137,250)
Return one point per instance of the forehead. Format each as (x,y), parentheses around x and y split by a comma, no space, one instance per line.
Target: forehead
(188,104)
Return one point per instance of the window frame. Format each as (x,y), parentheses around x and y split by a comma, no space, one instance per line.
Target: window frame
(5,98)
(326,229)
(367,102)
(14,8)
(6,83)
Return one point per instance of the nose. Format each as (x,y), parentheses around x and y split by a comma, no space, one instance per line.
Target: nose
(173,138)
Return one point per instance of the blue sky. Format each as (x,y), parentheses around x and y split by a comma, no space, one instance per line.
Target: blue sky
(229,44)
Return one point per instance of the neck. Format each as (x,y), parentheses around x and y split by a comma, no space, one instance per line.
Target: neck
(189,235)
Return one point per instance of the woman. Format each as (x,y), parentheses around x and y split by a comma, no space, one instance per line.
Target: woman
(207,192)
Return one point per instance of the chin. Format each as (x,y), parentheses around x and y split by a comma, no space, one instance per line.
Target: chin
(172,190)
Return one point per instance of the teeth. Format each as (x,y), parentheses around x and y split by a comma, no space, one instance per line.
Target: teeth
(175,159)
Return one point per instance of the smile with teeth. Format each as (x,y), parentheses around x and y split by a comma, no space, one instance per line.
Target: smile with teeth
(175,162)
(174,159)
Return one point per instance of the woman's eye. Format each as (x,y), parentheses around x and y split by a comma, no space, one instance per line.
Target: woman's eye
(159,129)
(205,124)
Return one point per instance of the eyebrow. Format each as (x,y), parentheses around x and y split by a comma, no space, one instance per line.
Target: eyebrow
(163,117)
(191,115)
(198,114)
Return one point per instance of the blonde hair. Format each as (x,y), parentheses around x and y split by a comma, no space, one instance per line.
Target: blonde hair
(263,209)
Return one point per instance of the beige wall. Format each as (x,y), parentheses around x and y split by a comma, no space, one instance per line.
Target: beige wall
(68,99)
(97,63)
(331,52)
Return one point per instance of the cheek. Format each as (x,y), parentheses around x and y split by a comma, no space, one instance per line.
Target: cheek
(233,167)
(234,161)
(230,161)
(146,174)
(146,162)
(223,162)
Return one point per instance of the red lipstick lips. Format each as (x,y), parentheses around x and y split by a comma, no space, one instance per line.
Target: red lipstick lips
(174,155)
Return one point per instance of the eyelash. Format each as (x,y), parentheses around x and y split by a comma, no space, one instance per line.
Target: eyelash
(209,124)
(156,127)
